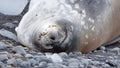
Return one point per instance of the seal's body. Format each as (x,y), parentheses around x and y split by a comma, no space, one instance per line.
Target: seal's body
(67,25)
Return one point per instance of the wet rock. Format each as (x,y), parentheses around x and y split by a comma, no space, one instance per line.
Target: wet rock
(8,34)
(19,50)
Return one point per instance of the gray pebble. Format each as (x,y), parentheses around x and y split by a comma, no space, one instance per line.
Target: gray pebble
(55,58)
(91,66)
(29,56)
(3,45)
(2,65)
(9,66)
(43,64)
(17,55)
(42,58)
(85,61)
(95,63)
(3,57)
(33,62)
(73,60)
(81,66)
(74,64)
(12,62)
(114,63)
(19,50)
(55,65)
(106,66)
(64,55)
(26,49)
(74,54)
(9,25)
(65,62)
(102,48)
(8,34)
(19,61)
(25,64)
(117,50)
(16,21)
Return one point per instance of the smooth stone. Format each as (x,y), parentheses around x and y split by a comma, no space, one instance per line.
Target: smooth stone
(19,50)
(55,58)
(25,64)
(33,62)
(43,64)
(8,34)
(3,45)
(3,57)
(102,48)
(19,61)
(74,64)
(29,56)
(85,61)
(12,61)
(42,58)
(64,55)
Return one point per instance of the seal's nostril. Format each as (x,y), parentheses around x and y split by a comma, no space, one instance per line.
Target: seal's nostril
(52,38)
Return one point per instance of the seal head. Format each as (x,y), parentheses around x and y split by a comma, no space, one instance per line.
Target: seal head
(55,36)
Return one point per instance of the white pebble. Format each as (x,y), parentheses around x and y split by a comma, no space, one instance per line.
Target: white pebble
(55,58)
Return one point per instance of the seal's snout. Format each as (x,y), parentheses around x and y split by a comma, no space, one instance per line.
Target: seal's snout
(55,36)
(52,36)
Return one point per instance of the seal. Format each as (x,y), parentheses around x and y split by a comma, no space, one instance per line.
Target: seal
(69,25)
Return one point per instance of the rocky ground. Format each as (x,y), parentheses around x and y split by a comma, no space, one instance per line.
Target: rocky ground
(14,55)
